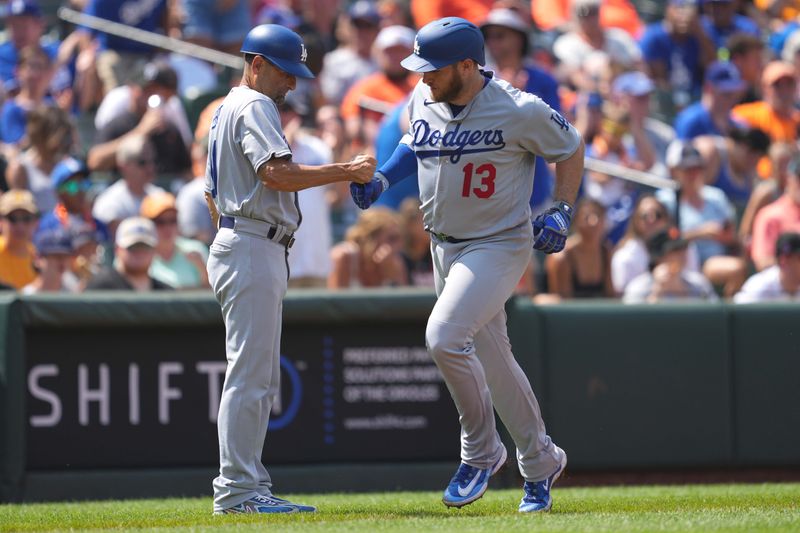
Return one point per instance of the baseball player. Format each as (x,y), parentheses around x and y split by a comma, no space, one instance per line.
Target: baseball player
(473,141)
(251,186)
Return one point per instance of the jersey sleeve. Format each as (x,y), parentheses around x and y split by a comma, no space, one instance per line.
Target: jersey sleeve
(260,133)
(545,132)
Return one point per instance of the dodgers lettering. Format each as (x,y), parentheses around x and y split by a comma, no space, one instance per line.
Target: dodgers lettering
(424,135)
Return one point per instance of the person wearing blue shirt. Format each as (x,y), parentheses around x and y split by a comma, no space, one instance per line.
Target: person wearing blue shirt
(676,50)
(721,21)
(25,27)
(35,70)
(118,57)
(712,114)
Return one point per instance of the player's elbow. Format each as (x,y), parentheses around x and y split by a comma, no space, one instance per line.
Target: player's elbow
(276,178)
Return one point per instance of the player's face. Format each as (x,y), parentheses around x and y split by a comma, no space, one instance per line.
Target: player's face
(274,82)
(445,83)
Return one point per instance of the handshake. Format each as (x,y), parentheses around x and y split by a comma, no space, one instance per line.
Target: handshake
(365,194)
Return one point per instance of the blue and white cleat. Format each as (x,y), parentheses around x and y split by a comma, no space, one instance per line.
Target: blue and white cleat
(537,493)
(470,483)
(267,504)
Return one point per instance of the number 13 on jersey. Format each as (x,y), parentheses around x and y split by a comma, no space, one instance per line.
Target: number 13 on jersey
(486,173)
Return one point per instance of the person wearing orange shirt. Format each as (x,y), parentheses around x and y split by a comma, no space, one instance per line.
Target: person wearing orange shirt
(18,217)
(369,100)
(775,114)
(554,14)
(425,11)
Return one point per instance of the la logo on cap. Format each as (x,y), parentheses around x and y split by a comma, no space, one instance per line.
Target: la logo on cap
(416,45)
(303,53)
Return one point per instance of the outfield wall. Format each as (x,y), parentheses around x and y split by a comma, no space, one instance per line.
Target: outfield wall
(111,395)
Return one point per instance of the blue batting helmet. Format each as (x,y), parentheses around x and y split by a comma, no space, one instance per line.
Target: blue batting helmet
(281,46)
(444,42)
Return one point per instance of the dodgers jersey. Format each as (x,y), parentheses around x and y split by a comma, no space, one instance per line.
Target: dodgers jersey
(246,133)
(476,168)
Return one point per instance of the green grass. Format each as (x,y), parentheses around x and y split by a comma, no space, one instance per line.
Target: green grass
(767,507)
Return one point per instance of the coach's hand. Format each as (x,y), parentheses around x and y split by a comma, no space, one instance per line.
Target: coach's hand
(365,194)
(550,229)
(361,168)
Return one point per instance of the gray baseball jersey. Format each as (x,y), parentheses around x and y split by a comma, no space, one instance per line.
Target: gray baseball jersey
(248,274)
(476,169)
(476,175)
(245,134)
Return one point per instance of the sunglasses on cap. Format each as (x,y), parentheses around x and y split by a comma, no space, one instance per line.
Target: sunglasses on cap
(73,187)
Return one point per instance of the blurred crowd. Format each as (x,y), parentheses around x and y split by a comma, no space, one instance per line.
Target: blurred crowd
(103,142)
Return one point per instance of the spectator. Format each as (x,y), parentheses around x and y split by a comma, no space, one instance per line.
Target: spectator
(767,191)
(425,11)
(707,218)
(34,71)
(370,255)
(583,268)
(747,53)
(148,114)
(18,217)
(779,282)
(25,28)
(613,145)
(732,162)
(218,24)
(776,114)
(552,15)
(54,255)
(721,21)
(309,258)
(135,250)
(676,50)
(119,57)
(123,199)
(352,60)
(706,215)
(51,137)
(70,179)
(417,246)
(781,216)
(159,82)
(712,114)
(90,254)
(506,38)
(574,47)
(179,262)
(630,259)
(668,278)
(194,221)
(366,103)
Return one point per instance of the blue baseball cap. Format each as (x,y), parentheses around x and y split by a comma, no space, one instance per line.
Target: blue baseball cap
(366,11)
(51,241)
(724,76)
(20,8)
(66,169)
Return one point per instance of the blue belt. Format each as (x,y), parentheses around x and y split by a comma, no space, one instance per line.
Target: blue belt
(286,240)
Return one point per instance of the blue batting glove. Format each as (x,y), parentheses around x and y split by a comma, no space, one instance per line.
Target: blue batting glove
(365,194)
(550,229)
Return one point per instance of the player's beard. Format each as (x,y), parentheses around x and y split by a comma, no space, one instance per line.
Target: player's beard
(451,91)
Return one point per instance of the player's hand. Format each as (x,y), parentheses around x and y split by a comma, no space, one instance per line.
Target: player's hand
(365,194)
(550,229)
(361,168)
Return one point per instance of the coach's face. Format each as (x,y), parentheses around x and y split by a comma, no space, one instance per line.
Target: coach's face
(272,81)
(445,83)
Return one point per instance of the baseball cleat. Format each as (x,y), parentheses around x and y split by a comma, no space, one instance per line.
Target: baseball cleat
(267,504)
(537,493)
(469,483)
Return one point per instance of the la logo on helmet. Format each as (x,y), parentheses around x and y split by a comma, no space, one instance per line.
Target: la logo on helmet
(303,53)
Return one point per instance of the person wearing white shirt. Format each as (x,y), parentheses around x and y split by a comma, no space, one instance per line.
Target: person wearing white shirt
(780,282)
